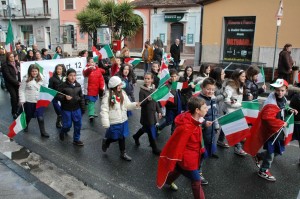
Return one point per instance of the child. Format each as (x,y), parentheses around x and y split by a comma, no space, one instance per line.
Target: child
(218,74)
(58,53)
(187,93)
(59,77)
(172,109)
(94,86)
(105,64)
(116,66)
(155,70)
(181,154)
(148,114)
(295,104)
(29,93)
(268,124)
(234,91)
(251,86)
(115,104)
(72,107)
(204,73)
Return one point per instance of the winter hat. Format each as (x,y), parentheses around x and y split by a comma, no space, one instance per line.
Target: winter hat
(70,70)
(114,81)
(279,83)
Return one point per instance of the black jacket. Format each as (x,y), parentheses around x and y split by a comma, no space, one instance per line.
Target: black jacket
(157,55)
(155,78)
(186,93)
(252,87)
(295,104)
(55,83)
(106,65)
(9,74)
(175,52)
(171,105)
(2,60)
(149,108)
(75,92)
(285,62)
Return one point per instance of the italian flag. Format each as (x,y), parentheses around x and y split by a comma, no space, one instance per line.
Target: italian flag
(18,125)
(261,76)
(180,85)
(288,131)
(56,56)
(197,90)
(96,54)
(167,58)
(234,126)
(46,95)
(132,61)
(164,76)
(106,52)
(297,78)
(250,110)
(9,38)
(41,68)
(162,95)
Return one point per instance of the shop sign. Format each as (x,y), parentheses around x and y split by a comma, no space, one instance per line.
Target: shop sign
(173,17)
(190,39)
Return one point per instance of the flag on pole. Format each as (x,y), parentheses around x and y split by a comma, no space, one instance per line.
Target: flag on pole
(250,110)
(164,76)
(180,85)
(106,52)
(132,61)
(279,14)
(17,126)
(162,95)
(9,38)
(46,95)
(234,126)
(197,90)
(41,68)
(288,131)
(96,54)
(261,76)
(56,56)
(167,58)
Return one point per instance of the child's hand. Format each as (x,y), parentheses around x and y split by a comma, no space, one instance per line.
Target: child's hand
(208,123)
(250,97)
(138,104)
(285,124)
(192,85)
(68,97)
(264,87)
(159,115)
(294,111)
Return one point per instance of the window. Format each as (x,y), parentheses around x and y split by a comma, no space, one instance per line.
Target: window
(24,10)
(69,4)
(46,8)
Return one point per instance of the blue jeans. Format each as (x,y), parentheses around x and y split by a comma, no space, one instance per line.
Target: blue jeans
(67,118)
(56,106)
(170,117)
(267,160)
(146,66)
(176,65)
(221,136)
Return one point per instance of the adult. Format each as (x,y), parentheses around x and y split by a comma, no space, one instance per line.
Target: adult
(157,53)
(38,56)
(29,56)
(2,61)
(285,63)
(159,43)
(35,48)
(45,54)
(147,56)
(175,53)
(11,74)
(20,52)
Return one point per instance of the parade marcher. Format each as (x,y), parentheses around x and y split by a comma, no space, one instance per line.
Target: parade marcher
(58,78)
(149,108)
(175,53)
(285,62)
(11,75)
(252,88)
(218,74)
(186,93)
(157,53)
(58,53)
(72,107)
(115,68)
(155,71)
(94,86)
(267,126)
(114,106)
(29,56)
(45,54)
(203,73)
(29,94)
(35,48)
(105,64)
(234,91)
(83,53)
(182,153)
(159,43)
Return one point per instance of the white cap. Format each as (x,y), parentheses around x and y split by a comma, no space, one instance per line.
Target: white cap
(114,81)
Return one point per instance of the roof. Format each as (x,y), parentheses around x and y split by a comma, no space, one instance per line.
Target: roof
(164,3)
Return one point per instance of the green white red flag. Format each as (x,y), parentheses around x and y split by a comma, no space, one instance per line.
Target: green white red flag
(9,38)
(164,76)
(162,95)
(167,58)
(234,126)
(261,76)
(197,90)
(289,129)
(106,52)
(46,95)
(18,125)
(132,61)
(251,111)
(180,85)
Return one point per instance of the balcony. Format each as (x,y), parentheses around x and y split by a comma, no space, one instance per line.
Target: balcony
(30,13)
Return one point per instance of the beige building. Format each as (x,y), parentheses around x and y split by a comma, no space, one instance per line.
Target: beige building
(239,30)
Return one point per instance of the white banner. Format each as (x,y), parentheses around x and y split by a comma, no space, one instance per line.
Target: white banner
(48,66)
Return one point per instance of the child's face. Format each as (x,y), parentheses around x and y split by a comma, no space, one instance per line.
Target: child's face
(255,77)
(242,77)
(207,71)
(118,61)
(38,55)
(202,111)
(72,77)
(91,62)
(59,70)
(126,71)
(209,90)
(119,87)
(189,72)
(34,73)
(174,77)
(148,80)
(155,68)
(85,54)
(281,91)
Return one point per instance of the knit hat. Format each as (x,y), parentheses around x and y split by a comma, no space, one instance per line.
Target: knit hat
(279,83)
(114,81)
(70,70)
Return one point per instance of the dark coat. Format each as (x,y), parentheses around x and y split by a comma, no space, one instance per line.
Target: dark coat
(157,54)
(21,54)
(149,107)
(175,52)
(75,92)
(252,87)
(171,105)
(2,60)
(129,88)
(106,65)
(295,104)
(55,83)
(285,62)
(10,76)
(155,79)
(186,93)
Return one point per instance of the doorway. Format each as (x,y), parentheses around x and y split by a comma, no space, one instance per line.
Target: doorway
(177,33)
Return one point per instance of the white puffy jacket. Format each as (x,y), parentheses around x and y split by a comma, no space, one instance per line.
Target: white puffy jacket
(232,94)
(29,91)
(116,114)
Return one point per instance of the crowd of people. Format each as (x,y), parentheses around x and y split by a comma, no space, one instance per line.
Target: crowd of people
(195,132)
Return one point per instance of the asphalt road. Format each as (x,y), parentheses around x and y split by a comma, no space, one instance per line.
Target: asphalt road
(230,176)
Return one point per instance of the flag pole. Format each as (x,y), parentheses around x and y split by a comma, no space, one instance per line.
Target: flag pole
(275,51)
(225,115)
(280,130)
(228,65)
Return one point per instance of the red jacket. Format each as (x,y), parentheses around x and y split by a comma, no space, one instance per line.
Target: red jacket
(114,69)
(95,80)
(184,147)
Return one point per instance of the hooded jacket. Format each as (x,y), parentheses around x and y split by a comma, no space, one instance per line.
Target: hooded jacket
(94,80)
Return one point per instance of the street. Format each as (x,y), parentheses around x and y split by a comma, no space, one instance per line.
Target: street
(230,176)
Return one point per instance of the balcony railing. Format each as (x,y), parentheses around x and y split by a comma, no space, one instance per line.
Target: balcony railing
(29,13)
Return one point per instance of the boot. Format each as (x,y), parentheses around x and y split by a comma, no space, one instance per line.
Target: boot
(153,145)
(104,145)
(59,121)
(42,128)
(27,123)
(197,190)
(124,156)
(137,136)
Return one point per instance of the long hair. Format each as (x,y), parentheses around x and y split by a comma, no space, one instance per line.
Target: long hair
(236,83)
(113,91)
(57,49)
(64,71)
(29,77)
(8,54)
(251,71)
(185,73)
(216,75)
(286,46)
(129,76)
(203,68)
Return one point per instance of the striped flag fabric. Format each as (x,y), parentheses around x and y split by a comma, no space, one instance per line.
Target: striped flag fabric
(297,78)
(46,95)
(41,68)
(250,110)
(9,38)
(18,125)
(289,130)
(164,76)
(179,85)
(106,52)
(96,54)
(197,90)
(261,76)
(234,126)
(132,61)
(167,58)
(162,95)
(56,56)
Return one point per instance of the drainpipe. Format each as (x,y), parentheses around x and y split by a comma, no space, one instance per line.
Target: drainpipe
(58,23)
(201,31)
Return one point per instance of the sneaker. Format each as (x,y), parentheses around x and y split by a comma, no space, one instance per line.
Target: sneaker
(240,152)
(126,157)
(62,136)
(78,143)
(173,187)
(215,156)
(91,118)
(267,175)
(222,144)
(257,161)
(203,180)
(136,140)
